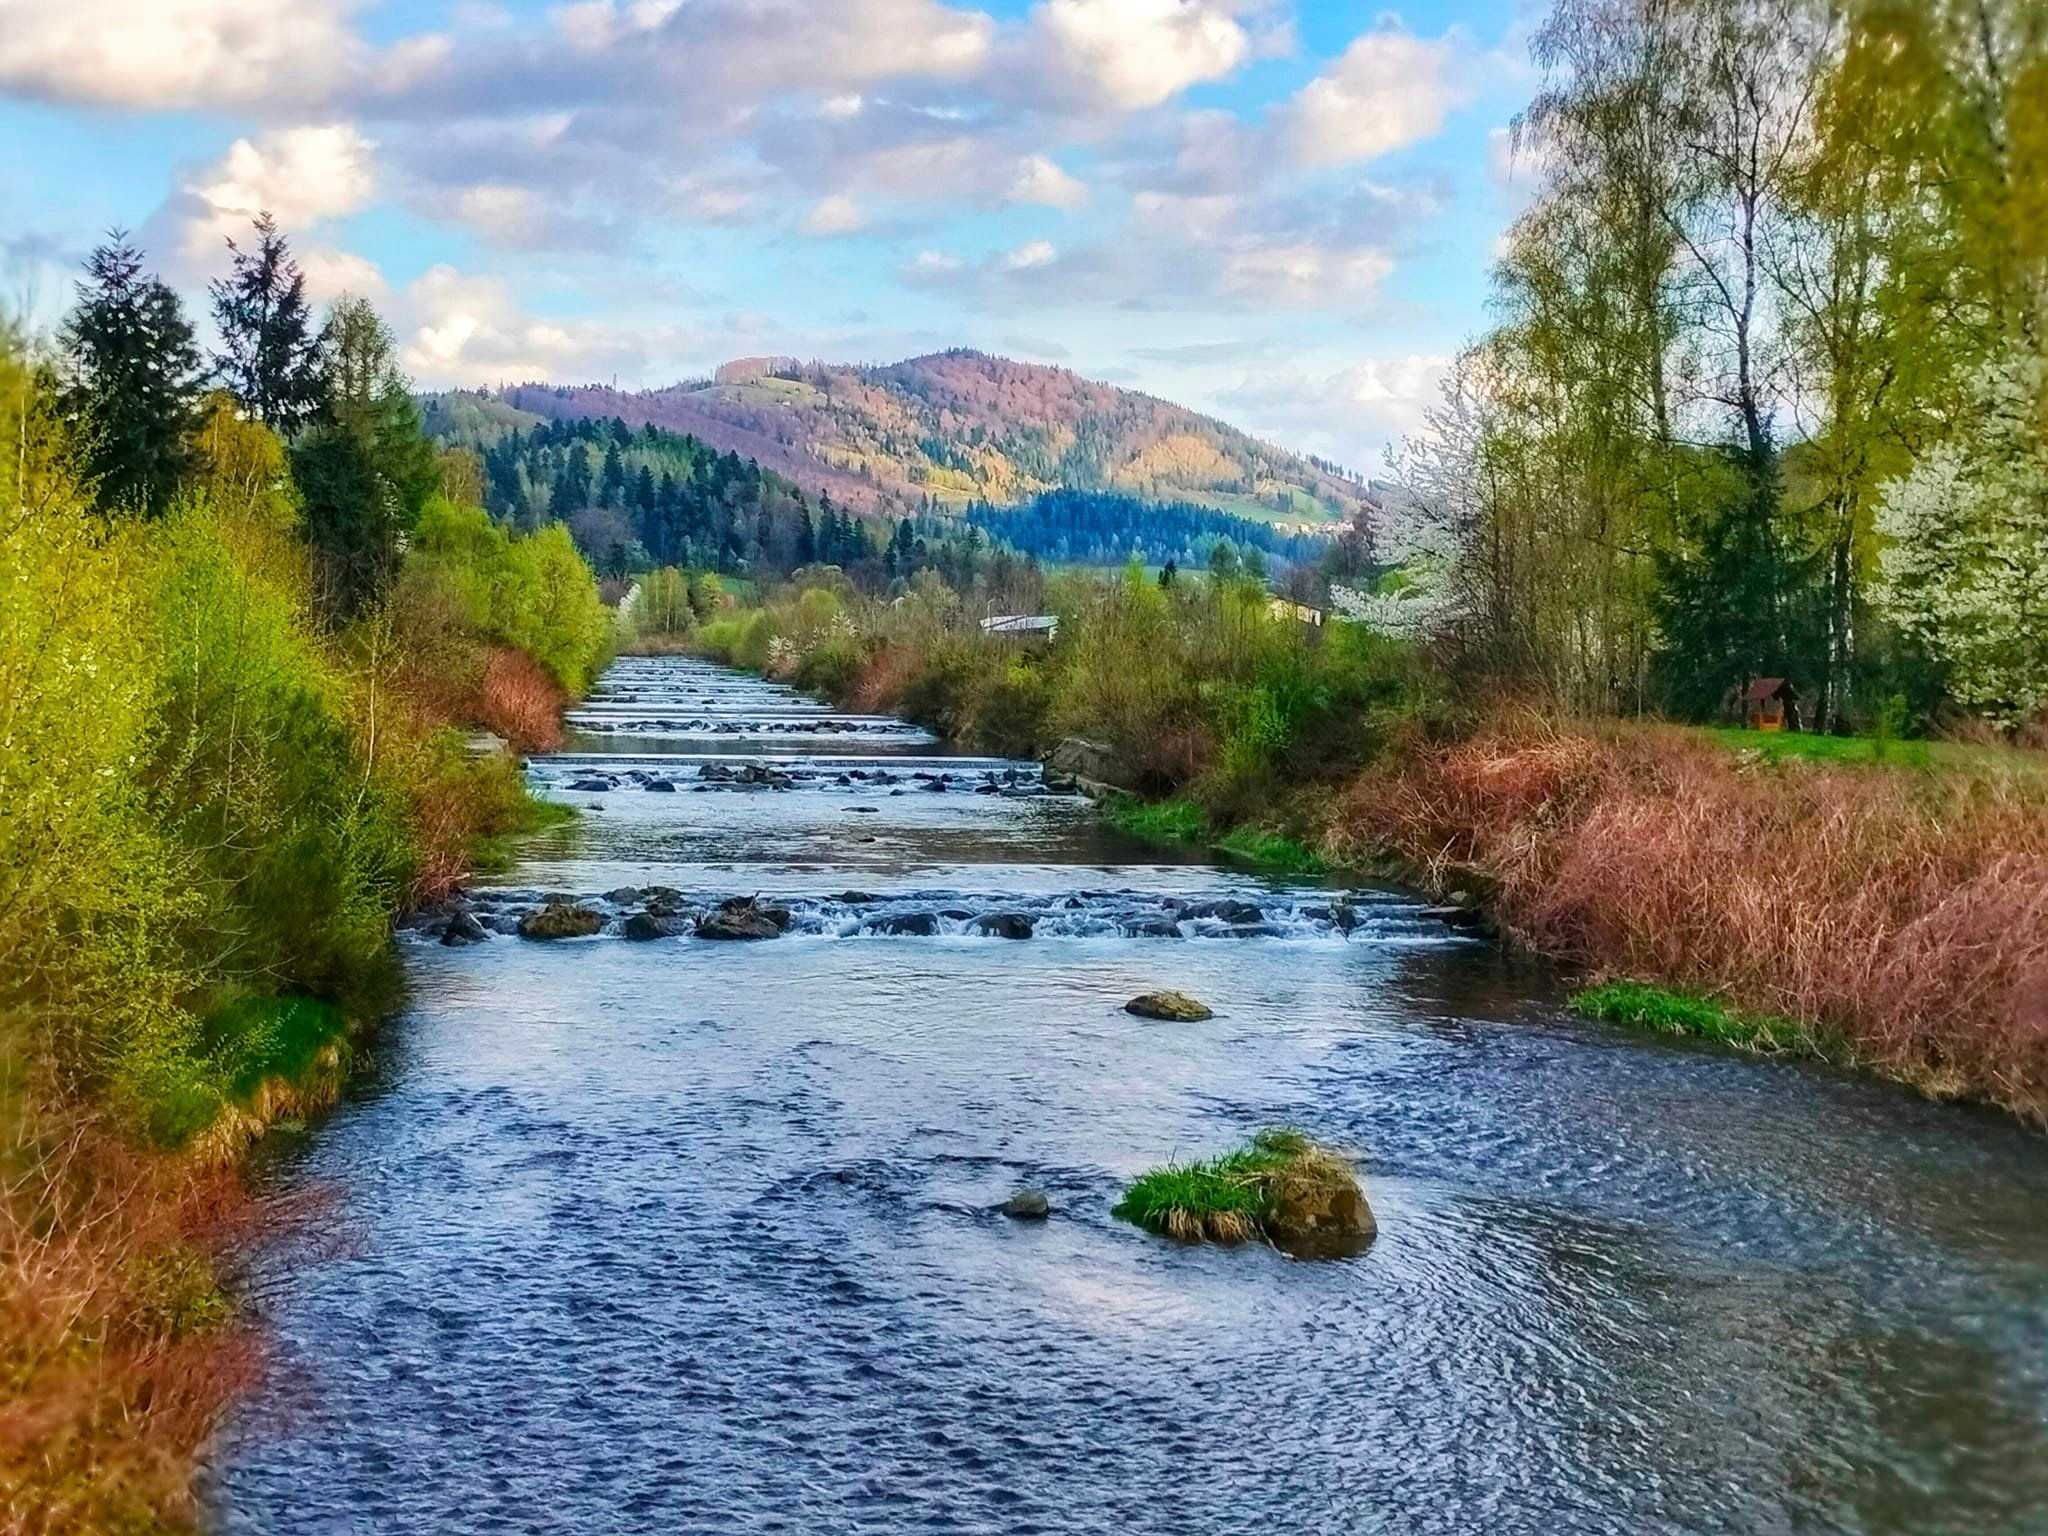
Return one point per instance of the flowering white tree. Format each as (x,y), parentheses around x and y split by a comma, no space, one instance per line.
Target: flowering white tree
(1965,567)
(1429,520)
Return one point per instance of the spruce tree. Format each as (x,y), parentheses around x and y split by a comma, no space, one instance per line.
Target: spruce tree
(271,357)
(133,379)
(365,468)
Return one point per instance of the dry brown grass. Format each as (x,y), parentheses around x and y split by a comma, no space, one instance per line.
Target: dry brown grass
(1903,913)
(118,1351)
(519,700)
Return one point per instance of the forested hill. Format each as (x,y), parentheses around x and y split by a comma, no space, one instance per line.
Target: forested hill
(958,427)
(1105,528)
(635,497)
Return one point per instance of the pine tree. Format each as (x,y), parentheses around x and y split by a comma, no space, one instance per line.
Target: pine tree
(133,379)
(365,468)
(611,485)
(270,357)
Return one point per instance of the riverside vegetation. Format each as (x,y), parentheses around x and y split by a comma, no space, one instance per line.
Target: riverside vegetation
(244,636)
(1889,912)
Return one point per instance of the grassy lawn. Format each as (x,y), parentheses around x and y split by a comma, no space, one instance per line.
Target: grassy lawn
(1811,746)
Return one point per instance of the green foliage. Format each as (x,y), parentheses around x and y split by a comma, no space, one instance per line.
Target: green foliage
(365,469)
(1641,1006)
(533,592)
(664,607)
(251,1040)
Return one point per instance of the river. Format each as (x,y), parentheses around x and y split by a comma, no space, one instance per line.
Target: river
(682,1236)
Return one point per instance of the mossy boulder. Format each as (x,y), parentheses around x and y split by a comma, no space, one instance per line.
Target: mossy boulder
(1176,1007)
(1292,1192)
(560,920)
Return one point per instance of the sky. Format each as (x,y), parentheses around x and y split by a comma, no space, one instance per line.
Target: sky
(1281,212)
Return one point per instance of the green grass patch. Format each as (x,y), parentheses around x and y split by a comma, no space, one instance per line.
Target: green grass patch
(253,1039)
(1224,1199)
(1181,823)
(1272,850)
(1662,1011)
(1890,752)
(1177,821)
(494,855)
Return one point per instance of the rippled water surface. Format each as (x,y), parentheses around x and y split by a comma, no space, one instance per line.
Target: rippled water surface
(675,1235)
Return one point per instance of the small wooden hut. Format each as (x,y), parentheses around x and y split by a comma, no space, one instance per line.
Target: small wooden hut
(1771,704)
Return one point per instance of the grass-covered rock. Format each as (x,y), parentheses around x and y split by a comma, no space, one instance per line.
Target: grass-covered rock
(1280,1187)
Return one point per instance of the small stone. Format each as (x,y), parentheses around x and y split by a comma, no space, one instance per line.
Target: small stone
(1027,1205)
(1175,1006)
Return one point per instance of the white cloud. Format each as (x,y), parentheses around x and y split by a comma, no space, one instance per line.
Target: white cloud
(1351,412)
(1032,254)
(302,176)
(1389,89)
(179,53)
(464,330)
(332,272)
(1304,273)
(1040,180)
(834,215)
(933,264)
(1126,55)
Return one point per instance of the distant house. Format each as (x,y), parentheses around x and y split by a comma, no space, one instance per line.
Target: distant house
(1286,608)
(1025,628)
(1771,704)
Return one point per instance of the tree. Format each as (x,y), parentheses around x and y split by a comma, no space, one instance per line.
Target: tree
(132,393)
(365,468)
(270,357)
(1965,569)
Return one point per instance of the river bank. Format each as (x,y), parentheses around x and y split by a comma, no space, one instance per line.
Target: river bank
(1890,915)
(221,783)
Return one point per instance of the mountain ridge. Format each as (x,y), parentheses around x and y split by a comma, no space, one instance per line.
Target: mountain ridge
(951,428)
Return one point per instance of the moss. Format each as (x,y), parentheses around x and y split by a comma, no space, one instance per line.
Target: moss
(1659,1009)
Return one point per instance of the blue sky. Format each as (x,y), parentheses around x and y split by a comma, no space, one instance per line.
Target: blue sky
(1279,212)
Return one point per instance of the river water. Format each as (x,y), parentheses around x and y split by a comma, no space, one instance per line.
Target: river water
(682,1236)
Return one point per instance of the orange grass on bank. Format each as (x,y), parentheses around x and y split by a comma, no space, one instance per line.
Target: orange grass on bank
(521,701)
(118,1350)
(1903,913)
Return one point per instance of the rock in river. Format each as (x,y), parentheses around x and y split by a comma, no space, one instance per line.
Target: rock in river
(1004,925)
(1177,1006)
(920,924)
(1027,1205)
(744,918)
(559,920)
(463,928)
(643,926)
